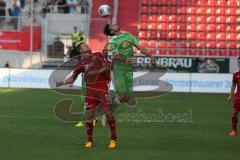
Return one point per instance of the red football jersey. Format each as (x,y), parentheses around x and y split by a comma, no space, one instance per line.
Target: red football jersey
(236,79)
(93,62)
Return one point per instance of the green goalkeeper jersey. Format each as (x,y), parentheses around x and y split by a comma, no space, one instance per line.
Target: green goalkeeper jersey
(123,45)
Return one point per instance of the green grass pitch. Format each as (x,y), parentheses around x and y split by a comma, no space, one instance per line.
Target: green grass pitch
(30,131)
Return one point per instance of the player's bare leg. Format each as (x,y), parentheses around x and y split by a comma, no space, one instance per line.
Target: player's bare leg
(234,123)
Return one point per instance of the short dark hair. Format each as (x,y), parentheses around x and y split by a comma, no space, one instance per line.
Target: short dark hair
(107,30)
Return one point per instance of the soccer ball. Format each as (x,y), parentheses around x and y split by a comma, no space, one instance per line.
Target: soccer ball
(104,10)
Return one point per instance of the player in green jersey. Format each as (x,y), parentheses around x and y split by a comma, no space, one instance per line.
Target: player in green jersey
(121,45)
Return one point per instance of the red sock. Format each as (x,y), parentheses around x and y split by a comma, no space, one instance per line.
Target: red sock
(234,123)
(111,123)
(89,125)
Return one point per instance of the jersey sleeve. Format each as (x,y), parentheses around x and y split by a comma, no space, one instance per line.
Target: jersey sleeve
(134,40)
(79,68)
(112,47)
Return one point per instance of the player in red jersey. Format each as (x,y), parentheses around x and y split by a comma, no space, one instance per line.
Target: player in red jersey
(97,76)
(236,102)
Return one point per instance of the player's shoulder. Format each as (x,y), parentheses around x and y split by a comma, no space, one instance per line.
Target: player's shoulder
(236,74)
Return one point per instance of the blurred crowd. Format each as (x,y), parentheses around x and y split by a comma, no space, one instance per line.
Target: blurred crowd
(46,6)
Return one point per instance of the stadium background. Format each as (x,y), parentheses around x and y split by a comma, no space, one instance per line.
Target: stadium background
(197,41)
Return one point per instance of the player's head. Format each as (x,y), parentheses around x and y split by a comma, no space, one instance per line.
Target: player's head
(84,48)
(111,29)
(75,28)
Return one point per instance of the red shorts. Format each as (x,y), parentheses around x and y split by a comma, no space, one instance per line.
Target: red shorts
(97,95)
(236,104)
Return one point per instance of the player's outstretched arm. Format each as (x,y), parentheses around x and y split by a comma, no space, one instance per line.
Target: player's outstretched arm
(145,52)
(229,98)
(69,80)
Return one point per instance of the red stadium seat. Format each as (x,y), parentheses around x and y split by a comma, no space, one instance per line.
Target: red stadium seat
(201,27)
(231,3)
(238,12)
(154,2)
(143,43)
(144,2)
(182,44)
(163,18)
(182,19)
(153,35)
(173,2)
(201,35)
(162,44)
(192,44)
(211,11)
(152,43)
(192,3)
(221,27)
(154,10)
(238,29)
(232,45)
(191,27)
(153,26)
(163,2)
(211,36)
(221,11)
(172,35)
(144,18)
(221,36)
(237,45)
(172,44)
(231,28)
(183,2)
(211,3)
(211,19)
(181,27)
(238,37)
(238,20)
(163,26)
(182,10)
(231,36)
(192,10)
(221,19)
(182,35)
(234,53)
(192,19)
(172,26)
(144,10)
(163,35)
(201,10)
(153,18)
(221,45)
(211,27)
(173,10)
(201,44)
(212,44)
(221,3)
(231,19)
(201,3)
(143,26)
(231,11)
(143,35)
(201,19)
(163,10)
(172,18)
(191,35)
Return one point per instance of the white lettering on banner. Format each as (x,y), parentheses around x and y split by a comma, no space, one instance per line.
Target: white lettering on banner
(167,62)
(181,82)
